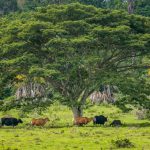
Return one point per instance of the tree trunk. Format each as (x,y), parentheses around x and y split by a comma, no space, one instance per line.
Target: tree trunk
(130,6)
(131,11)
(77,111)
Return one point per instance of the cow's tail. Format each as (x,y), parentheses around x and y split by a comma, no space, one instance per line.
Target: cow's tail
(0,122)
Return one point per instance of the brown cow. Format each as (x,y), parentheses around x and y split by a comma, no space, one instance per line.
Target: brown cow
(39,122)
(82,120)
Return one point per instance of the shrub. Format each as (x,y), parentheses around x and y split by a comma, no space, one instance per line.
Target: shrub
(123,143)
(142,114)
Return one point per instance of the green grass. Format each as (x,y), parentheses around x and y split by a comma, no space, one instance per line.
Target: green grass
(59,134)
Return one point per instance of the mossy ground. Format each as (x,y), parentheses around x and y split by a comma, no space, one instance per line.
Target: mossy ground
(59,134)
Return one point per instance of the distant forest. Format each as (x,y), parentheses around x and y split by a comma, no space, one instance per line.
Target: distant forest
(141,7)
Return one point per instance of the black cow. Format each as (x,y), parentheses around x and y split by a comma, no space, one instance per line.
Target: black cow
(99,120)
(116,123)
(10,121)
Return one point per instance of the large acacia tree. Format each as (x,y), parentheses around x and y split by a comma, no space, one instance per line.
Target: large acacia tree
(74,48)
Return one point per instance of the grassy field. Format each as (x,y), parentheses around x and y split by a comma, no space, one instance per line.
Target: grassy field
(59,134)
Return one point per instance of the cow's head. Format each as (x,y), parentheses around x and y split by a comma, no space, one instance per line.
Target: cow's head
(94,119)
(20,121)
(47,119)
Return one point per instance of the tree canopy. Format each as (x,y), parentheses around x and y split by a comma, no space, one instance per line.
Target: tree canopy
(74,48)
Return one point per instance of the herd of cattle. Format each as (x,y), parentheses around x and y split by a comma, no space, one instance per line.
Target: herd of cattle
(79,121)
(96,120)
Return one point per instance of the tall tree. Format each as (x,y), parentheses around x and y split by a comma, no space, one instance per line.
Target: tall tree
(74,48)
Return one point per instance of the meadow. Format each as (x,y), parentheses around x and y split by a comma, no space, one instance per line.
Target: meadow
(60,134)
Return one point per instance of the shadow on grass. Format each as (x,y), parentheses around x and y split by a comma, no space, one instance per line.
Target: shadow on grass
(145,124)
(51,127)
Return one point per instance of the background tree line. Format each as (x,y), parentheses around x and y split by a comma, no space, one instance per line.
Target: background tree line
(141,7)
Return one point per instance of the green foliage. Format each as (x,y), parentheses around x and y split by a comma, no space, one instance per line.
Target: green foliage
(116,4)
(8,6)
(123,143)
(96,3)
(136,92)
(75,48)
(32,4)
(142,7)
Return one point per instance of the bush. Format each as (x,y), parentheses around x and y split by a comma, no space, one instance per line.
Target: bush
(123,143)
(142,114)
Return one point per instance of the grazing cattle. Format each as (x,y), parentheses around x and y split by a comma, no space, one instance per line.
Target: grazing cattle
(82,120)
(10,121)
(99,119)
(39,122)
(116,123)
